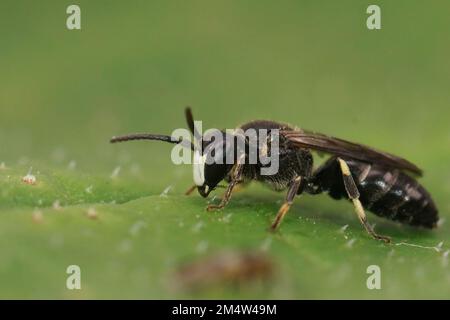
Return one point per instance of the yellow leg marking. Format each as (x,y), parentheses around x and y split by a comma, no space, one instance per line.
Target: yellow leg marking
(344,167)
(280,215)
(359,210)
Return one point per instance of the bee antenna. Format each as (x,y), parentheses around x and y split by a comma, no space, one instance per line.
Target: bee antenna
(149,136)
(191,124)
(189,119)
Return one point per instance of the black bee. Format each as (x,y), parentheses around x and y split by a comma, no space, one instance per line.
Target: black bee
(371,179)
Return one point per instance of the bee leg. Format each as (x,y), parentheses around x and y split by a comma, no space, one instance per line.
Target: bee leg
(235,179)
(295,185)
(353,194)
(238,187)
(190,190)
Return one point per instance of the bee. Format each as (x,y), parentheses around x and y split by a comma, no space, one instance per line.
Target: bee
(370,179)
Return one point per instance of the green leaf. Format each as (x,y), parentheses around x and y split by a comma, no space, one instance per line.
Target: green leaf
(118,211)
(133,247)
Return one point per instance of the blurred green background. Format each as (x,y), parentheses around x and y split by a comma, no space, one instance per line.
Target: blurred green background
(135,65)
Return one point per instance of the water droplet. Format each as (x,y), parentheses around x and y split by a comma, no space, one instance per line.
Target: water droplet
(92,213)
(89,189)
(350,243)
(227,218)
(165,191)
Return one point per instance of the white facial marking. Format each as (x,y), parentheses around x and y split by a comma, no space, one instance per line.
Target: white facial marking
(199,168)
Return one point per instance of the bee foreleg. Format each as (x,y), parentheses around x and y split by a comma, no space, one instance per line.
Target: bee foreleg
(236,175)
(353,194)
(292,192)
(190,190)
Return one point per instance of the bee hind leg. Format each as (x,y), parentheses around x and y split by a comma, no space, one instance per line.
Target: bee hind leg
(353,194)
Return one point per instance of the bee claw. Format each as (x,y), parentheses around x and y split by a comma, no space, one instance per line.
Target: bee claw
(384,239)
(211,207)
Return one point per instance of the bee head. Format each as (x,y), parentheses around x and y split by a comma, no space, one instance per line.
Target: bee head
(210,153)
(210,166)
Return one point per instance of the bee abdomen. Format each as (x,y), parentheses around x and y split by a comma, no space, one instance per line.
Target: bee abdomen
(394,195)
(388,193)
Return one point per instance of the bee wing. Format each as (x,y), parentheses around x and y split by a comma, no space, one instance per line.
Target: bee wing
(343,148)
